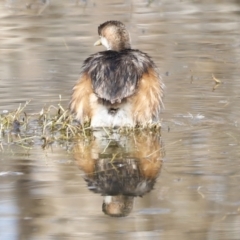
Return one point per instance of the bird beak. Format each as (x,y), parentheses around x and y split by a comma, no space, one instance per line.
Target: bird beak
(98,42)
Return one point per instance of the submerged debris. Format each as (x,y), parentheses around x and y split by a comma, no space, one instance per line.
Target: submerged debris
(217,82)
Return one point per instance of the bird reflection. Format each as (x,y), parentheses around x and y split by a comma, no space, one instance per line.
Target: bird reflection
(120,167)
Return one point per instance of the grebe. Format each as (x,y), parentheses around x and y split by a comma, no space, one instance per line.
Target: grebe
(117,87)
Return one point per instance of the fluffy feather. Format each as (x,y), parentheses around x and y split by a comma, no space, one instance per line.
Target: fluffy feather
(115,75)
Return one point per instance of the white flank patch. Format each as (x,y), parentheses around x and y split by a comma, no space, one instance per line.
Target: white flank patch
(102,118)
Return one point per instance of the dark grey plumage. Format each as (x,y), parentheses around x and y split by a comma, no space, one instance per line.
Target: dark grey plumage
(115,75)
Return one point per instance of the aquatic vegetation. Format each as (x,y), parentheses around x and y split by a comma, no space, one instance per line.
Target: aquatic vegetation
(50,124)
(46,126)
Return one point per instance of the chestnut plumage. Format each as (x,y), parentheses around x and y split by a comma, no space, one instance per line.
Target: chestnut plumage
(117,87)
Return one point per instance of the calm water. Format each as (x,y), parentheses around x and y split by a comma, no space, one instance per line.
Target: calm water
(194,193)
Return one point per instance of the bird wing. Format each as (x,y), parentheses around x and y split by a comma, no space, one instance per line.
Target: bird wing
(116,75)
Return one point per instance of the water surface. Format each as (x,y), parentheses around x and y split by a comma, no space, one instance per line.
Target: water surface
(44,193)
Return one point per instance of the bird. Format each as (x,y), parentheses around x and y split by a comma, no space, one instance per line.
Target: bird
(118,87)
